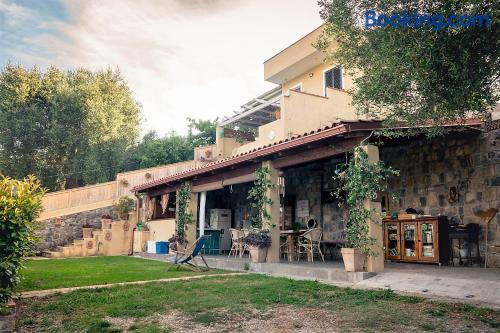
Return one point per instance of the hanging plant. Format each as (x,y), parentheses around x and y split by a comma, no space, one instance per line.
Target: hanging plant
(184,217)
(148,176)
(361,181)
(124,182)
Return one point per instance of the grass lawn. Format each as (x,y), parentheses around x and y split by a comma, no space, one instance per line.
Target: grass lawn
(62,273)
(247,303)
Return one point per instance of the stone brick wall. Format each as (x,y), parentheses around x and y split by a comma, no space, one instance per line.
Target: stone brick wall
(63,230)
(470,162)
(314,182)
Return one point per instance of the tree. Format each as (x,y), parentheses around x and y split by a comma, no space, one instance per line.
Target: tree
(205,132)
(70,128)
(416,75)
(153,150)
(20,205)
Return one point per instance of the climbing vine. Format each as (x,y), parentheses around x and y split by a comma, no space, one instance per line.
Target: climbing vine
(184,217)
(361,181)
(258,198)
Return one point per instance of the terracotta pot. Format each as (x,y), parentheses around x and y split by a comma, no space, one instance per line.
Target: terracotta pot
(277,114)
(180,246)
(87,232)
(106,223)
(258,254)
(354,259)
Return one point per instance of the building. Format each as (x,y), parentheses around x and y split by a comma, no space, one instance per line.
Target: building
(302,130)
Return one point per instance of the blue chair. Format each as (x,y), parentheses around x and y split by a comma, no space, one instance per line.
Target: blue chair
(186,258)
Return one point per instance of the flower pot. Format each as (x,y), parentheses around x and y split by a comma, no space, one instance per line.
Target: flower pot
(354,259)
(180,246)
(277,114)
(106,223)
(87,232)
(258,254)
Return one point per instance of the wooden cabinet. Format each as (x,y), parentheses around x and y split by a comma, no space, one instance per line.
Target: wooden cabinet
(416,240)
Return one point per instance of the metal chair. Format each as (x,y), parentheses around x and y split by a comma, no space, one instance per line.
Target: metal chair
(309,243)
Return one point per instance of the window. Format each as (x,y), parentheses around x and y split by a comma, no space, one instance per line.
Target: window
(333,78)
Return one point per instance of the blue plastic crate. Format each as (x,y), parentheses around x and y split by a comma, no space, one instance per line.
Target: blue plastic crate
(162,247)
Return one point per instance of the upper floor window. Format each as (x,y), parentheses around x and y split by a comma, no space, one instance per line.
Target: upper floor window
(333,78)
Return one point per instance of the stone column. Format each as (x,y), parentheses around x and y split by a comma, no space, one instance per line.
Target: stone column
(273,253)
(375,263)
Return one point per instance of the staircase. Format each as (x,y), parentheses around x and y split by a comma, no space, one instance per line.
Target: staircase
(108,241)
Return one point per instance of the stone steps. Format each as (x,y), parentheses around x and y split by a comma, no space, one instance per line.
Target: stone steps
(87,246)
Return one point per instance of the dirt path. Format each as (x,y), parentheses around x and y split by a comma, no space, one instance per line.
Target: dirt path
(47,292)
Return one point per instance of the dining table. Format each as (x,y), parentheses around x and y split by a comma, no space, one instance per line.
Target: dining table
(291,236)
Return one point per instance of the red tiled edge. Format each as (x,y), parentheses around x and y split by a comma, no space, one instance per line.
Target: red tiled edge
(294,141)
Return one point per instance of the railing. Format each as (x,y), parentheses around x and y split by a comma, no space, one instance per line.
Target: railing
(105,194)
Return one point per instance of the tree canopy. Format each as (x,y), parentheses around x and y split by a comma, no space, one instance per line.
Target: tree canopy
(70,128)
(416,75)
(78,127)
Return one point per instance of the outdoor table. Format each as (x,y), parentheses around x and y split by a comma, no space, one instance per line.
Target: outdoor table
(290,238)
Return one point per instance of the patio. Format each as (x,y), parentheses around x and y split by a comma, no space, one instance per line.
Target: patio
(474,285)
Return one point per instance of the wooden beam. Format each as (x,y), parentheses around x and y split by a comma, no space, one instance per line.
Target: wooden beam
(231,177)
(316,153)
(161,190)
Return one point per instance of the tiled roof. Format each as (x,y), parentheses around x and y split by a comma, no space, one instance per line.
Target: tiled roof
(315,135)
(294,141)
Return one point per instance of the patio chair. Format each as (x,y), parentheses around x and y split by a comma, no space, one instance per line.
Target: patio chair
(236,242)
(187,257)
(244,245)
(310,243)
(284,246)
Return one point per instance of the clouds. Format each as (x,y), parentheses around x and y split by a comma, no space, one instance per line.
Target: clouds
(193,58)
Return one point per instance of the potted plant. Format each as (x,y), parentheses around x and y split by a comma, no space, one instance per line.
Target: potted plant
(139,226)
(106,221)
(258,242)
(87,230)
(177,243)
(124,206)
(361,182)
(259,239)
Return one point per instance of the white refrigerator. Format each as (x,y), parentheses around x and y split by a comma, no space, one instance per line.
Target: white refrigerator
(220,219)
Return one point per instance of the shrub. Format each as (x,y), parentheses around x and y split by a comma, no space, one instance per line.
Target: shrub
(20,206)
(106,217)
(258,238)
(125,205)
(361,181)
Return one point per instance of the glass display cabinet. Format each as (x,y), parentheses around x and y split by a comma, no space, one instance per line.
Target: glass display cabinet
(416,240)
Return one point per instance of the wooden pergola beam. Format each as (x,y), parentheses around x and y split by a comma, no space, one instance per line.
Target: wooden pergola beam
(315,154)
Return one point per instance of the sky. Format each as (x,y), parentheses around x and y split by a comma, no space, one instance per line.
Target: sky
(182,58)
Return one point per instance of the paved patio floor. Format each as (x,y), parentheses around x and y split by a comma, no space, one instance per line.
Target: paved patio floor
(479,286)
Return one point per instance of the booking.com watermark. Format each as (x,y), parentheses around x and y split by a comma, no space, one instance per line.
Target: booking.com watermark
(417,21)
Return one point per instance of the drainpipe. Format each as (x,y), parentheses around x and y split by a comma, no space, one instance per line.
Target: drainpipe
(131,251)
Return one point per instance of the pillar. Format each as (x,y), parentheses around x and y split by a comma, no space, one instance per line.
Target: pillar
(203,200)
(192,208)
(375,263)
(273,253)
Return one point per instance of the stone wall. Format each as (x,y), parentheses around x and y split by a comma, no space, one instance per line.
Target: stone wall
(468,161)
(63,230)
(314,182)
